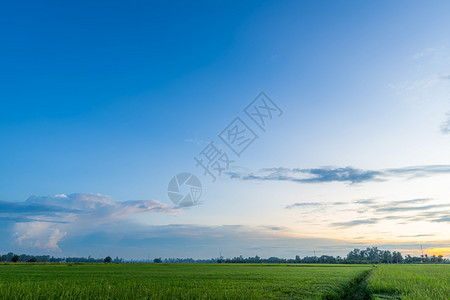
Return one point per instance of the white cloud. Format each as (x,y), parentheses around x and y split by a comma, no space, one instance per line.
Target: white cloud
(42,222)
(425,78)
(418,88)
(54,239)
(41,235)
(435,54)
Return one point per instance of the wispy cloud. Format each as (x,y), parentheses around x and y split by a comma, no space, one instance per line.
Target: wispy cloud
(403,211)
(347,174)
(303,204)
(315,204)
(409,208)
(445,127)
(372,220)
(355,222)
(317,175)
(364,201)
(417,235)
(422,208)
(433,53)
(410,201)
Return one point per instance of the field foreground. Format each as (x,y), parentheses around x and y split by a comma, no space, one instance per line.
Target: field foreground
(215,281)
(410,282)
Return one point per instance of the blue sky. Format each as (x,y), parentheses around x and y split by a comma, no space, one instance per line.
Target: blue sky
(102,103)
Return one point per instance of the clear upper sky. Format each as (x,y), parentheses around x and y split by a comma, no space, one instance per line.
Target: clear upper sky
(103,102)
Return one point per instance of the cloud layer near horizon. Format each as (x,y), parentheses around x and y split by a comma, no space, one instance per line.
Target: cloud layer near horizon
(81,224)
(94,224)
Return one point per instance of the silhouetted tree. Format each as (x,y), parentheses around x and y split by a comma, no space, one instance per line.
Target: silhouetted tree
(397,257)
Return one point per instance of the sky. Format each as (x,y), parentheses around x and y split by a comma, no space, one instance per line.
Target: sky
(312,127)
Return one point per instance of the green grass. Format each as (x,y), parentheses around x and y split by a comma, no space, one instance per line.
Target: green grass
(216,281)
(177,281)
(410,282)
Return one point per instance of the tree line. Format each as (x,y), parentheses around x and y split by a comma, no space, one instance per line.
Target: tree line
(371,255)
(12,257)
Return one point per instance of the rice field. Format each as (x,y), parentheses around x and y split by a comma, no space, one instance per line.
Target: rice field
(223,281)
(177,281)
(410,282)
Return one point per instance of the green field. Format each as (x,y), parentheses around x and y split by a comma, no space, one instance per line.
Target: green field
(176,281)
(222,281)
(410,282)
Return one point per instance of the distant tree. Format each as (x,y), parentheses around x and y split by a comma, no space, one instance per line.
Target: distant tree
(33,259)
(326,259)
(8,257)
(157,260)
(15,258)
(387,257)
(354,255)
(107,259)
(397,257)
